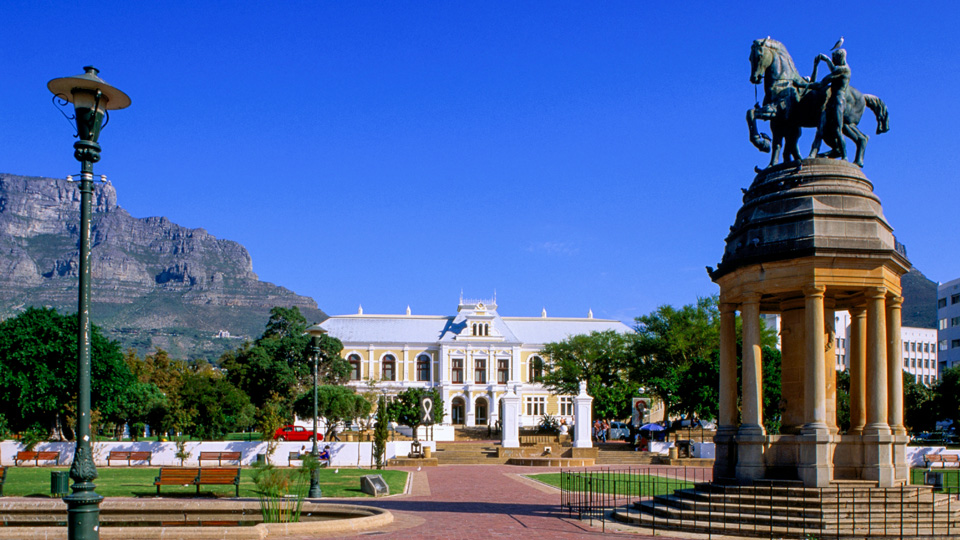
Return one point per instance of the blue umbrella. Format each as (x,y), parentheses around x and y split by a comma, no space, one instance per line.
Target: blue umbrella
(651,427)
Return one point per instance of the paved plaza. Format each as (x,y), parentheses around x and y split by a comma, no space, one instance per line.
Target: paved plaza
(485,501)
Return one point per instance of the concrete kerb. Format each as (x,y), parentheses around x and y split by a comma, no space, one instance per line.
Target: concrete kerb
(360,518)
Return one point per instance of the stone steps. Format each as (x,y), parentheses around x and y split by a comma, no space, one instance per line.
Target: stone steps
(468,453)
(787,508)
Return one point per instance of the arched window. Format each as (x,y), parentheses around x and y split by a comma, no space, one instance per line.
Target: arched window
(423,367)
(475,329)
(389,368)
(536,368)
(354,360)
(486,329)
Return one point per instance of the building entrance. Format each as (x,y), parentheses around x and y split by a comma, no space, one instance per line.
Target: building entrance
(481,408)
(457,408)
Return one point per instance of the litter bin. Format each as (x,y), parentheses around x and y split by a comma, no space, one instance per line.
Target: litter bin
(934,479)
(261,459)
(59,483)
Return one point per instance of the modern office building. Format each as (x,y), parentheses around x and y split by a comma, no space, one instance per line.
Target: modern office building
(473,357)
(919,346)
(948,323)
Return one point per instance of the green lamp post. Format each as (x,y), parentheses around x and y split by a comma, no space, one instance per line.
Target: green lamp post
(315,492)
(91,99)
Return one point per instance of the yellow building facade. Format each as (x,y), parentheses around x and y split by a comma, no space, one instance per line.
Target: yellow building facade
(473,357)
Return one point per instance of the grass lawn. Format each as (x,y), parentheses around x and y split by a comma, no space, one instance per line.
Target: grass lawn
(951,478)
(626,484)
(138,482)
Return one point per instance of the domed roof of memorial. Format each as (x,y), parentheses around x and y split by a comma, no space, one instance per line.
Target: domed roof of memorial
(813,207)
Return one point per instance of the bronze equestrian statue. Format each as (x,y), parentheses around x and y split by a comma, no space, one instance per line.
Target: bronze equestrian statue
(792,102)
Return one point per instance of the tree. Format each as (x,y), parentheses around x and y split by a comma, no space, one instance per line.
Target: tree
(38,370)
(947,400)
(919,404)
(676,350)
(335,404)
(405,408)
(259,373)
(214,406)
(380,433)
(600,358)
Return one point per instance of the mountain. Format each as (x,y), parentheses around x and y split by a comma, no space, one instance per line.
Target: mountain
(155,283)
(919,300)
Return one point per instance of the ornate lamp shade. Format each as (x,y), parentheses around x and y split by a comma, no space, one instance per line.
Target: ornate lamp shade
(91,98)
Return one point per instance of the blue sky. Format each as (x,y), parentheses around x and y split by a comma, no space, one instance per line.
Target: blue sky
(567,155)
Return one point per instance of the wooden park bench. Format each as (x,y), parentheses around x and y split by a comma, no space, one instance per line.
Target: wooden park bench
(942,459)
(121,455)
(3,478)
(36,457)
(220,457)
(177,476)
(195,476)
(221,476)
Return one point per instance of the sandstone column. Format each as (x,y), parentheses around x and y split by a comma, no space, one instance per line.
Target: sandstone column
(724,464)
(857,350)
(894,367)
(728,366)
(815,414)
(876,362)
(752,401)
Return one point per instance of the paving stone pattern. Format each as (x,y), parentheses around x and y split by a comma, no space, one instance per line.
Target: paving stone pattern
(483,501)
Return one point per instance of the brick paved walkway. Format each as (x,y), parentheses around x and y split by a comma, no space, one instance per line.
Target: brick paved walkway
(484,501)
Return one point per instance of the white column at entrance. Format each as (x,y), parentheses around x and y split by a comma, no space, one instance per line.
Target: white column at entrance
(752,412)
(815,412)
(876,363)
(858,375)
(402,376)
(583,418)
(895,367)
(510,423)
(728,366)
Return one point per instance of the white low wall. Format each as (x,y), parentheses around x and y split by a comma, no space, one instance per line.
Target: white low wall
(424,433)
(342,454)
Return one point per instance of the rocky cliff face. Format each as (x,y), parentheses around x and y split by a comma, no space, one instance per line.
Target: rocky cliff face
(155,283)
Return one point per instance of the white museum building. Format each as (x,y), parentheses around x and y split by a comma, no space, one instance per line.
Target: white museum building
(473,357)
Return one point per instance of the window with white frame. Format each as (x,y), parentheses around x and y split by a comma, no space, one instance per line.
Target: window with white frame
(457,370)
(566,405)
(536,368)
(536,405)
(423,367)
(480,370)
(389,368)
(354,360)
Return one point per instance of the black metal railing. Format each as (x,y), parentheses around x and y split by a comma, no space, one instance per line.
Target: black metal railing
(685,498)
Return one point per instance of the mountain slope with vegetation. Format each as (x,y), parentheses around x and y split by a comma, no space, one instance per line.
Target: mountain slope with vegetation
(155,283)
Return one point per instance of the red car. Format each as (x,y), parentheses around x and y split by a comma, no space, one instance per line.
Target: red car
(295,433)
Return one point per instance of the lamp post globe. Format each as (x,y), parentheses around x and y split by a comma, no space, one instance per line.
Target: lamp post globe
(92,98)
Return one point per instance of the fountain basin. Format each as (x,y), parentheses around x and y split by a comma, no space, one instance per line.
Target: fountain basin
(188,519)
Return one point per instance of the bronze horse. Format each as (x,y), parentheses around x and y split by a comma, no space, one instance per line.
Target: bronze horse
(791,102)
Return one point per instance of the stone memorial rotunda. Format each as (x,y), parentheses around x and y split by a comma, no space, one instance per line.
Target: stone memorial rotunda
(810,239)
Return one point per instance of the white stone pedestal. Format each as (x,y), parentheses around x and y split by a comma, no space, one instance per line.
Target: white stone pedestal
(510,423)
(583,414)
